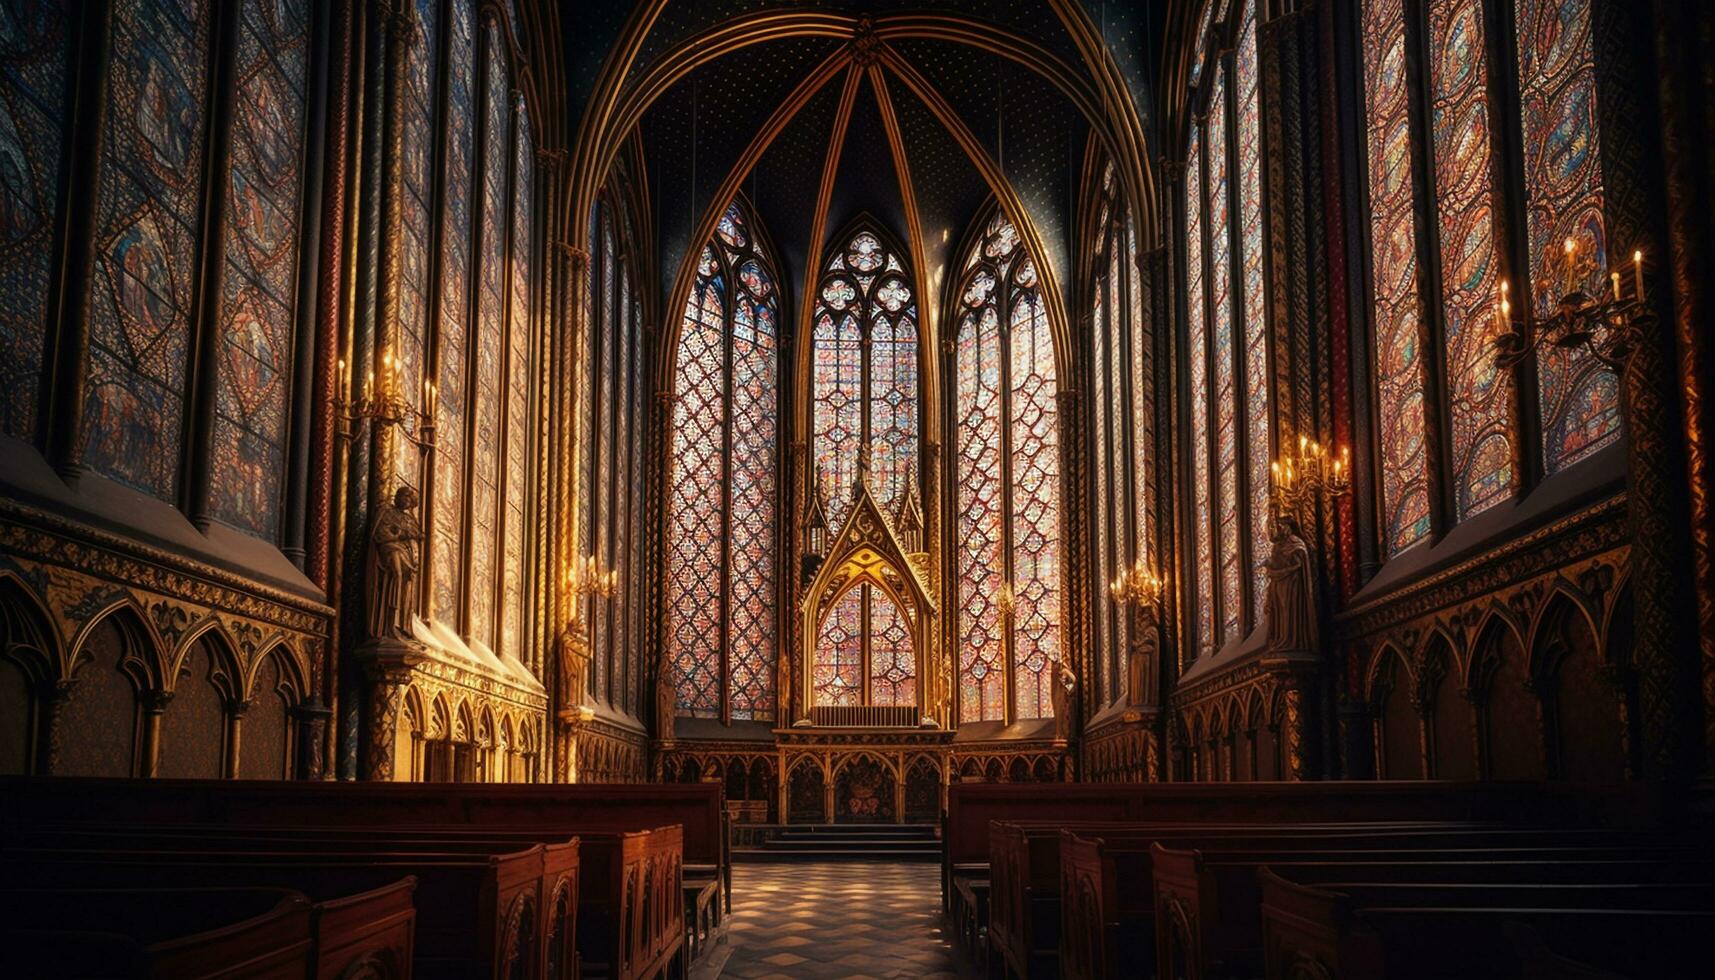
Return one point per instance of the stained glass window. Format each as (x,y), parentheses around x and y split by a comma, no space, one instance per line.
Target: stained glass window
(518,384)
(1223,366)
(257,301)
(837,679)
(1564,200)
(721,593)
(1197,349)
(1227,337)
(490,336)
(457,152)
(1007,459)
(865,328)
(146,222)
(1123,400)
(864,393)
(1478,391)
(32,105)
(1393,260)
(1252,305)
(417,117)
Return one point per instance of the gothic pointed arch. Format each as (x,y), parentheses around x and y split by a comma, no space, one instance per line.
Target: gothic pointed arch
(1006,548)
(722,502)
(868,617)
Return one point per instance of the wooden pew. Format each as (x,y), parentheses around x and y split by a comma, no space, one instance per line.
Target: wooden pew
(477,912)
(157,932)
(1437,930)
(972,806)
(1116,917)
(560,810)
(553,907)
(1206,900)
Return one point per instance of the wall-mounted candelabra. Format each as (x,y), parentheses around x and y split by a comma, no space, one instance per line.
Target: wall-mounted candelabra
(1312,475)
(1606,325)
(1139,585)
(587,578)
(383,404)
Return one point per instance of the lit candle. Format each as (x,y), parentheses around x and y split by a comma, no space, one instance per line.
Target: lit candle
(1616,277)
(1571,256)
(1638,274)
(344,383)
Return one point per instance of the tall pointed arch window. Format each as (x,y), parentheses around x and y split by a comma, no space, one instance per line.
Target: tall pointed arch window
(721,588)
(1006,466)
(1437,260)
(609,510)
(476,335)
(864,362)
(864,394)
(1123,426)
(1227,341)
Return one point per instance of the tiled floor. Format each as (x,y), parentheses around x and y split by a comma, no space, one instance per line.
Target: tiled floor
(818,921)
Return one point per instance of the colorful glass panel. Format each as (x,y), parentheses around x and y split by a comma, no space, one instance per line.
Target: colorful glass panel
(33,59)
(452,318)
(258,293)
(837,409)
(751,582)
(1035,509)
(893,403)
(597,503)
(1393,261)
(518,385)
(1564,200)
(148,202)
(1256,382)
(837,677)
(1105,562)
(697,478)
(978,556)
(1116,457)
(416,187)
(1197,347)
(722,593)
(1142,395)
(1222,334)
(893,661)
(1478,391)
(490,338)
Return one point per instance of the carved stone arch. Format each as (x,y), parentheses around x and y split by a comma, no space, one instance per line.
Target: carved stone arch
(1391,687)
(1450,723)
(1477,671)
(144,645)
(993,770)
(1542,645)
(464,724)
(28,637)
(30,663)
(293,681)
(230,678)
(440,718)
(1617,626)
(1586,704)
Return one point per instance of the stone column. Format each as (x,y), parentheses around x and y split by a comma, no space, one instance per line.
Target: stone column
(386,697)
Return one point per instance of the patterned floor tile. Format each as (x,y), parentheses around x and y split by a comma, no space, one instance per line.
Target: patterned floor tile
(846,921)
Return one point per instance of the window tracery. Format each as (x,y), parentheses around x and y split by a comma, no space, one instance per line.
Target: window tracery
(1561,197)
(1227,343)
(864,399)
(722,499)
(1006,545)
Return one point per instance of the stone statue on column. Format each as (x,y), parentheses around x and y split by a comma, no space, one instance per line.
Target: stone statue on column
(391,567)
(1290,598)
(666,699)
(1062,686)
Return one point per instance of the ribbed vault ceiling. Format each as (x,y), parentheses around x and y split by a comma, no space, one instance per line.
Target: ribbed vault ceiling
(696,131)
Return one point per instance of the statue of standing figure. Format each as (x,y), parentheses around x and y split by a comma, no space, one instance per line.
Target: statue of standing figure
(1062,686)
(391,566)
(1290,599)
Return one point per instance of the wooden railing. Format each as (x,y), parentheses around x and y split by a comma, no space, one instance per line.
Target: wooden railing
(863,716)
